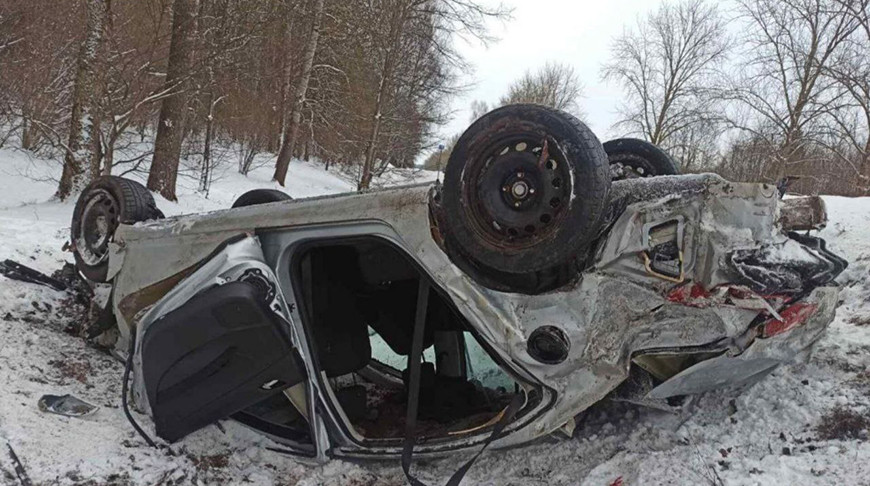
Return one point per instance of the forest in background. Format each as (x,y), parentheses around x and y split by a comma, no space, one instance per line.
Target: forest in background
(351,82)
(756,90)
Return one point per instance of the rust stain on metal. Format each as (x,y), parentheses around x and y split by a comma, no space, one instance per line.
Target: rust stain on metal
(135,302)
(545,154)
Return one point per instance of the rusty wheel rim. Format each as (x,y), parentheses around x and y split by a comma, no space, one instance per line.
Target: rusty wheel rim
(518,190)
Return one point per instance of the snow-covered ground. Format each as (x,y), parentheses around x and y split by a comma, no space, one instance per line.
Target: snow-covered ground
(767,435)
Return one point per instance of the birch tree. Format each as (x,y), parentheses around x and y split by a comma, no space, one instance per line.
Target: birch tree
(291,132)
(220,76)
(82,155)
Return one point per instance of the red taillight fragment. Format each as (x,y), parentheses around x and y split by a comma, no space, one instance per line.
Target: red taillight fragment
(685,294)
(792,316)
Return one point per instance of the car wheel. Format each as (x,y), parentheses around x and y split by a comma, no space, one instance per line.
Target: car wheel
(105,203)
(260,196)
(524,191)
(631,158)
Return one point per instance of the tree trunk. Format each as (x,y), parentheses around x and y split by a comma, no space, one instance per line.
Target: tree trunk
(369,162)
(108,159)
(286,74)
(306,150)
(309,144)
(291,133)
(170,125)
(864,184)
(396,29)
(206,160)
(81,161)
(205,176)
(27,141)
(109,153)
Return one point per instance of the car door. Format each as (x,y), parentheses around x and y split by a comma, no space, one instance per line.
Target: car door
(218,343)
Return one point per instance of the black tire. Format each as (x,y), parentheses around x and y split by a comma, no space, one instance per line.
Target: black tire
(631,158)
(260,196)
(105,203)
(510,209)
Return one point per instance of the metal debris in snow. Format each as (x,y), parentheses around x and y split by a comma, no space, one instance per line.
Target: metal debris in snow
(66,405)
(20,472)
(16,271)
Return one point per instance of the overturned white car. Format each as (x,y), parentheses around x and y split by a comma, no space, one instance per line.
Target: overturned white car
(491,309)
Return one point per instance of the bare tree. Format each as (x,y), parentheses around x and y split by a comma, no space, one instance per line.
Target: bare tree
(129,91)
(170,126)
(291,131)
(39,61)
(668,68)
(420,27)
(554,84)
(399,13)
(287,27)
(8,36)
(781,89)
(379,84)
(696,147)
(226,28)
(478,109)
(849,132)
(82,156)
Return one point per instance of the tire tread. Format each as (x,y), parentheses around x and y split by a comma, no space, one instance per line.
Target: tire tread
(591,179)
(136,205)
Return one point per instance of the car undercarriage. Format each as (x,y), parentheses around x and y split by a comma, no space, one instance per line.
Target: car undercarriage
(491,309)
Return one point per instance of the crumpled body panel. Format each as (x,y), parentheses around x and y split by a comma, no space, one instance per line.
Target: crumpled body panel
(665,235)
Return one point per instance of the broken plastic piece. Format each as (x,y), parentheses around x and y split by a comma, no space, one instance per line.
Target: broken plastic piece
(789,318)
(689,294)
(66,405)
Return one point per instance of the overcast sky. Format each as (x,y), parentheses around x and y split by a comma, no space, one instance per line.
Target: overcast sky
(574,32)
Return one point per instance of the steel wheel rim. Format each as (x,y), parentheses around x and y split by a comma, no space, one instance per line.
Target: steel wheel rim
(518,190)
(630,166)
(99,220)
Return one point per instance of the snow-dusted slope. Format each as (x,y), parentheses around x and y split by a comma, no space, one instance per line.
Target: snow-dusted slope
(765,436)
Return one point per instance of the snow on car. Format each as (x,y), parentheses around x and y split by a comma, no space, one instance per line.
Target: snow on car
(344,326)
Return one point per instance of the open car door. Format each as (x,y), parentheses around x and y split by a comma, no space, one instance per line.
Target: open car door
(222,350)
